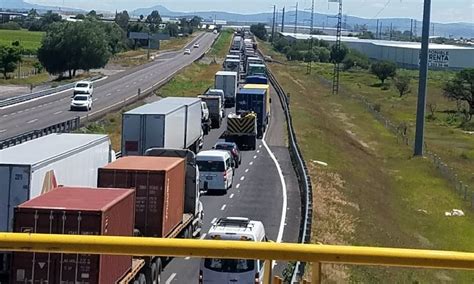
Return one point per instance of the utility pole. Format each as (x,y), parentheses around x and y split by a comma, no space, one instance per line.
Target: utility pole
(312,20)
(421,105)
(283,20)
(336,75)
(377,30)
(391,30)
(415,33)
(296,19)
(380,30)
(432,29)
(411,29)
(273,23)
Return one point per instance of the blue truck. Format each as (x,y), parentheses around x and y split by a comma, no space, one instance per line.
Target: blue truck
(253,100)
(256,79)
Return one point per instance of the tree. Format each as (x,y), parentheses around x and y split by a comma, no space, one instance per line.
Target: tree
(259,31)
(92,14)
(80,17)
(338,54)
(32,14)
(402,83)
(172,29)
(461,89)
(154,18)
(9,57)
(122,20)
(383,70)
(355,59)
(195,21)
(322,53)
(310,56)
(280,43)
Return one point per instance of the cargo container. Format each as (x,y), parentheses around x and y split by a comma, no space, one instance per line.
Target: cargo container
(232,65)
(168,123)
(252,60)
(265,87)
(164,208)
(256,69)
(237,43)
(214,106)
(257,79)
(227,81)
(83,211)
(249,100)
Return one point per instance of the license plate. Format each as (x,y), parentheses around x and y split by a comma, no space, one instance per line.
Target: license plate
(209,178)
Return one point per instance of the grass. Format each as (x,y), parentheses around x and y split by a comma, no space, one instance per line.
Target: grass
(372,192)
(28,40)
(177,43)
(190,82)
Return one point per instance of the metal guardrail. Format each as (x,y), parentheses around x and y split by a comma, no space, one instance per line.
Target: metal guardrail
(268,251)
(62,127)
(299,164)
(27,97)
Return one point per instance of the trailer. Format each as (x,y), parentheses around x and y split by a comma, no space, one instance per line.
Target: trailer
(214,105)
(268,100)
(227,81)
(256,69)
(168,123)
(242,130)
(253,100)
(237,43)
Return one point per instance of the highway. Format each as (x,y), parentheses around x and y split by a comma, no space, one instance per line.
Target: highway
(257,193)
(111,92)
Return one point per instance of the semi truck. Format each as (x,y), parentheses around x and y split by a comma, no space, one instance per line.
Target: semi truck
(35,167)
(167,201)
(237,43)
(227,81)
(256,69)
(214,105)
(242,130)
(168,123)
(253,100)
(268,100)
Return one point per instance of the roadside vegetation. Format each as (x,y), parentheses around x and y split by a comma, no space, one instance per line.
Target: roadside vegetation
(373,192)
(190,82)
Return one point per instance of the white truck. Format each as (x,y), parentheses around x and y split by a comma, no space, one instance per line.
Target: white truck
(227,81)
(32,168)
(168,123)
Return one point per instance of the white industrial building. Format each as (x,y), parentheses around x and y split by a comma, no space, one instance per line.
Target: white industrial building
(405,54)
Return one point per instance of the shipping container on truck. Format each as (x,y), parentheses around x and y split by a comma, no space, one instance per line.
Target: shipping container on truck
(214,105)
(160,209)
(227,81)
(237,42)
(257,79)
(167,123)
(78,211)
(232,65)
(35,167)
(268,101)
(253,100)
(256,69)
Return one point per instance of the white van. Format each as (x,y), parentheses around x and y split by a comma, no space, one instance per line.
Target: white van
(217,270)
(215,168)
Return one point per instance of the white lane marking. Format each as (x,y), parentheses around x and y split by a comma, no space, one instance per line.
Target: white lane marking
(127,86)
(213,220)
(94,100)
(238,185)
(203,236)
(108,94)
(251,163)
(242,178)
(255,157)
(3,130)
(118,90)
(231,196)
(283,189)
(187,258)
(258,151)
(223,207)
(246,170)
(32,121)
(170,278)
(5,115)
(259,146)
(58,112)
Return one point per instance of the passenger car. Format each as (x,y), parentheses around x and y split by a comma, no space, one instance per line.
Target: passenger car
(81,102)
(232,148)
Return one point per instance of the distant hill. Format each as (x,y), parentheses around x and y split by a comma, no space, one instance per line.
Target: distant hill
(453,29)
(21,5)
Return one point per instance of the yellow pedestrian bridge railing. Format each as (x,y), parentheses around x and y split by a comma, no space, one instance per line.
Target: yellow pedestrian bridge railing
(311,253)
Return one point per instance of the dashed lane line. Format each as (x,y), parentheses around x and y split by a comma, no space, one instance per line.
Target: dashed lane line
(58,112)
(3,130)
(255,157)
(246,170)
(203,236)
(223,207)
(242,178)
(231,196)
(172,276)
(32,121)
(238,185)
(213,220)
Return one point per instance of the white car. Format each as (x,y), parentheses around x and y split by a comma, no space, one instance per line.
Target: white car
(187,51)
(215,170)
(196,45)
(83,87)
(81,102)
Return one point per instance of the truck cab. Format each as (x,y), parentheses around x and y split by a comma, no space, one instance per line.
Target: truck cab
(218,270)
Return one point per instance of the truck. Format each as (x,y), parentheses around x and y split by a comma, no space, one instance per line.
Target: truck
(233,56)
(235,52)
(253,100)
(217,92)
(167,202)
(232,65)
(167,123)
(214,105)
(35,167)
(242,130)
(69,210)
(237,43)
(256,69)
(227,81)
(256,79)
(268,100)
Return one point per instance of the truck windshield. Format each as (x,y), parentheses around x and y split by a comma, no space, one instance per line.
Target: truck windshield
(229,265)
(211,166)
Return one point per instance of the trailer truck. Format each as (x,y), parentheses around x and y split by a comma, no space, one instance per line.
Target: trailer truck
(167,201)
(227,81)
(253,100)
(168,123)
(242,130)
(265,87)
(35,167)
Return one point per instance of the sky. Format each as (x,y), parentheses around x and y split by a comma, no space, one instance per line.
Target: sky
(444,11)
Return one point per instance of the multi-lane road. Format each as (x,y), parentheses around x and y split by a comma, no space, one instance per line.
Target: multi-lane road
(265,185)
(111,92)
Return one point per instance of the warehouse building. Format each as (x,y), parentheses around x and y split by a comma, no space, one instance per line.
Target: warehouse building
(405,54)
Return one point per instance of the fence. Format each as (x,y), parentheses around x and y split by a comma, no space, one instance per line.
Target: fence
(62,127)
(268,251)
(27,97)
(304,180)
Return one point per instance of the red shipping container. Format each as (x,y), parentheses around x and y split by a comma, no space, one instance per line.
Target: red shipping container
(84,211)
(159,184)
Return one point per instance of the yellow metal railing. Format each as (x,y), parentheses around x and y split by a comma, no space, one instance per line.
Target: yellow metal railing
(315,254)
